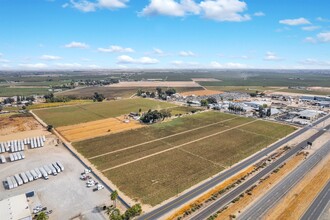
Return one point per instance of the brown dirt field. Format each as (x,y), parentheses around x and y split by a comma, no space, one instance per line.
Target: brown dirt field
(97,128)
(261,188)
(209,193)
(201,93)
(156,84)
(298,200)
(14,124)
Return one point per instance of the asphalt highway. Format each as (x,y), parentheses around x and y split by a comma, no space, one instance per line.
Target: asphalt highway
(186,197)
(271,198)
(320,203)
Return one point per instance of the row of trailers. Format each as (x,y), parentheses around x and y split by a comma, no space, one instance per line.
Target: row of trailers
(13,157)
(19,145)
(34,174)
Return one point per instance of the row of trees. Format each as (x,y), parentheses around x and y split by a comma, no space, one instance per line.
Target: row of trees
(161,94)
(114,213)
(155,116)
(50,98)
(209,100)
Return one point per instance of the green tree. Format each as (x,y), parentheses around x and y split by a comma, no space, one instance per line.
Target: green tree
(211,100)
(115,215)
(42,216)
(204,102)
(98,97)
(50,127)
(135,210)
(113,197)
(170,91)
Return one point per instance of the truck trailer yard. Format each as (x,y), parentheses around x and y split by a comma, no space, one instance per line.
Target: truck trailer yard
(65,194)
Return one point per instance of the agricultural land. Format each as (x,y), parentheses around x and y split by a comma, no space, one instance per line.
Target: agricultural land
(70,115)
(156,162)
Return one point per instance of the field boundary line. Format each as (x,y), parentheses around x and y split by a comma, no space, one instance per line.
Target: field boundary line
(203,158)
(159,139)
(178,146)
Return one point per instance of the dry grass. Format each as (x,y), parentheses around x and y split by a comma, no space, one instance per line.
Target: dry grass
(197,150)
(298,200)
(139,84)
(260,189)
(58,104)
(97,128)
(207,195)
(201,93)
(13,124)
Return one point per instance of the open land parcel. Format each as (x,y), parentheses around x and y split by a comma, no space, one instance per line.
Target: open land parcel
(157,162)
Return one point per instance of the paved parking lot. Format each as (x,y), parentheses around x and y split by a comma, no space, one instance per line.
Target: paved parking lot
(65,193)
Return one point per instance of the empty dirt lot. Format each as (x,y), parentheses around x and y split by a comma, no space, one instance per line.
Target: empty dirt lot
(201,93)
(139,84)
(97,128)
(17,123)
(156,162)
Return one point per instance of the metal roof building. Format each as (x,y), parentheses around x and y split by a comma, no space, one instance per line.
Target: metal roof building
(15,208)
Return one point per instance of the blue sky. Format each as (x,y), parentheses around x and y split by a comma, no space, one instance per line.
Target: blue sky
(92,34)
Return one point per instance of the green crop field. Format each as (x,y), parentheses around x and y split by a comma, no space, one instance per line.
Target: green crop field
(70,115)
(156,162)
(114,92)
(8,91)
(247,89)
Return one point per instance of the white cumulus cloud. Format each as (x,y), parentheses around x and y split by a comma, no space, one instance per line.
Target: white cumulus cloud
(179,63)
(218,10)
(315,62)
(310,28)
(295,22)
(224,10)
(259,14)
(75,44)
(90,6)
(124,59)
(324,37)
(271,56)
(171,8)
(115,49)
(217,65)
(50,57)
(187,54)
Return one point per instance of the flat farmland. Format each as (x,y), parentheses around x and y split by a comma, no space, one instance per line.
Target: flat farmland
(97,128)
(115,92)
(156,162)
(70,115)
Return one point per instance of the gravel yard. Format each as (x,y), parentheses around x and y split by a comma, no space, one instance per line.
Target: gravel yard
(65,193)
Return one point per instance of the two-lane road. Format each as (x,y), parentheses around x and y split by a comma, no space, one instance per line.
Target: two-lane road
(186,197)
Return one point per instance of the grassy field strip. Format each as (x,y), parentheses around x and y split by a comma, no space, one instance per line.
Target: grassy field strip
(158,139)
(181,145)
(91,112)
(255,133)
(203,158)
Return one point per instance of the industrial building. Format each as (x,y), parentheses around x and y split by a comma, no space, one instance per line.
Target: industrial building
(15,208)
